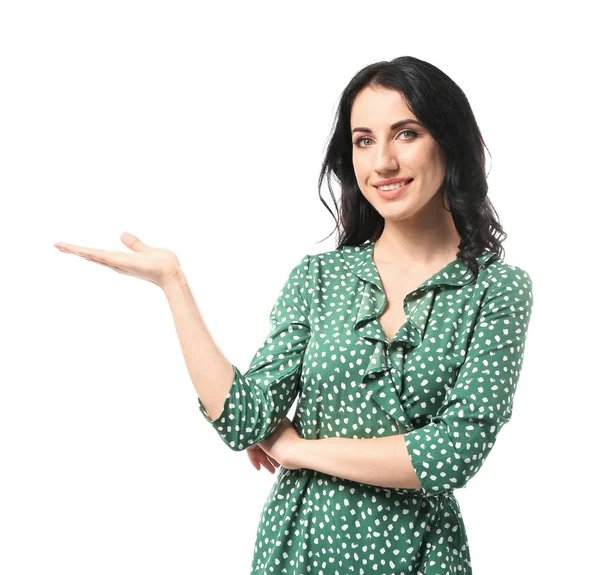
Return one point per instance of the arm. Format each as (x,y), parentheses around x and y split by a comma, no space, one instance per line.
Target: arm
(244,408)
(450,450)
(447,452)
(210,371)
(382,461)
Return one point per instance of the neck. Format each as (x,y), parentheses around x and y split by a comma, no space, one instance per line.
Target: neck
(423,240)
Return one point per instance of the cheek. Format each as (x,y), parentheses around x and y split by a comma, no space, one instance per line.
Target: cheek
(437,165)
(361,171)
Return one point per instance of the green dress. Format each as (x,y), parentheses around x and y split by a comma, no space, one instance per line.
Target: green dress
(446,381)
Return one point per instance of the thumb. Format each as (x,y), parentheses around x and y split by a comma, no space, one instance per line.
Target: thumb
(133,242)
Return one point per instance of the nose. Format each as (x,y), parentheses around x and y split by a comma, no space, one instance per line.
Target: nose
(385,161)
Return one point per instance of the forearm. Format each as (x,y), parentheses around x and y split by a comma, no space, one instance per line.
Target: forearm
(210,371)
(381,461)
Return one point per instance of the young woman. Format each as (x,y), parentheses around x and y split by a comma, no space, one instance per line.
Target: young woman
(404,344)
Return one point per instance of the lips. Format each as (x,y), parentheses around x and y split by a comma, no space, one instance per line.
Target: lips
(393,181)
(392,194)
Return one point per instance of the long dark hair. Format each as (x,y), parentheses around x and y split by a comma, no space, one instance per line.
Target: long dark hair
(438,102)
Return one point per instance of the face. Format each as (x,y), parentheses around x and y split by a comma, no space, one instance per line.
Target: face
(380,152)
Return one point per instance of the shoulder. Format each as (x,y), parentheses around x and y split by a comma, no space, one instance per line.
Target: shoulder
(500,275)
(506,285)
(312,263)
(332,257)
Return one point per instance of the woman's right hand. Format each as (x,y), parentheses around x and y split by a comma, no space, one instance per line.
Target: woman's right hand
(259,457)
(155,265)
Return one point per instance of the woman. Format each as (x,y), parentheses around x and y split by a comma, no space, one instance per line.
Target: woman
(404,344)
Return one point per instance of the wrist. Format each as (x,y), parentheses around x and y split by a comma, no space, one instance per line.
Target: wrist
(176,281)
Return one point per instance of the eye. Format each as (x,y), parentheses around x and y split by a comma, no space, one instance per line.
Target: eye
(410,132)
(363,138)
(357,143)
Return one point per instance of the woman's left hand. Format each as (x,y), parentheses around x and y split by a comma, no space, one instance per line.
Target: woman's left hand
(283,444)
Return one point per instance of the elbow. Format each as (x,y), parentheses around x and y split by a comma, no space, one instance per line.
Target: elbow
(443,463)
(454,471)
(235,438)
(439,469)
(240,435)
(438,477)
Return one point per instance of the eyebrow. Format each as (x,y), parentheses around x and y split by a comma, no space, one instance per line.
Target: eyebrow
(392,127)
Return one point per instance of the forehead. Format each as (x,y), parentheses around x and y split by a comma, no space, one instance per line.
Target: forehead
(378,107)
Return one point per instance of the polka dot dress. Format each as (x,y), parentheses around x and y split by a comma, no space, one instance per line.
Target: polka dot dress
(446,380)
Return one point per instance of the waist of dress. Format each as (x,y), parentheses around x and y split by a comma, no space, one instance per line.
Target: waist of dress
(421,493)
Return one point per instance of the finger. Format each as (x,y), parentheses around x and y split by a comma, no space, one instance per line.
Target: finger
(101,255)
(70,247)
(273,461)
(266,462)
(108,258)
(133,242)
(253,459)
(257,457)
(106,265)
(114,268)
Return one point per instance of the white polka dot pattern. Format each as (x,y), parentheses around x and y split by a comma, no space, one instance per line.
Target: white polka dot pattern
(446,380)
(259,399)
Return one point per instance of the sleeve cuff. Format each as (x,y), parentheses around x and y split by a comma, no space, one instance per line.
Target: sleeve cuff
(417,442)
(219,422)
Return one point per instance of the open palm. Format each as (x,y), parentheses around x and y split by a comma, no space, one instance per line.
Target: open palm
(155,265)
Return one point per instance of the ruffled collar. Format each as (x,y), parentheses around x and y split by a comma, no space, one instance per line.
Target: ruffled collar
(371,304)
(359,260)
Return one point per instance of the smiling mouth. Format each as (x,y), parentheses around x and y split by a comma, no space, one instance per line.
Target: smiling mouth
(392,187)
(395,191)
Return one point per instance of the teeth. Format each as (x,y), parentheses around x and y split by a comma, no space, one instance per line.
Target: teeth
(392,186)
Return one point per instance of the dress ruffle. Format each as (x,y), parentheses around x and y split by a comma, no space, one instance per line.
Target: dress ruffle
(383,377)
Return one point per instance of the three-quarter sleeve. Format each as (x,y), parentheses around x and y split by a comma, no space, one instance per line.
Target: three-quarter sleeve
(452,447)
(260,398)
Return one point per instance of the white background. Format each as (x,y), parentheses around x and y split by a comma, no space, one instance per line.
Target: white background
(201,128)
